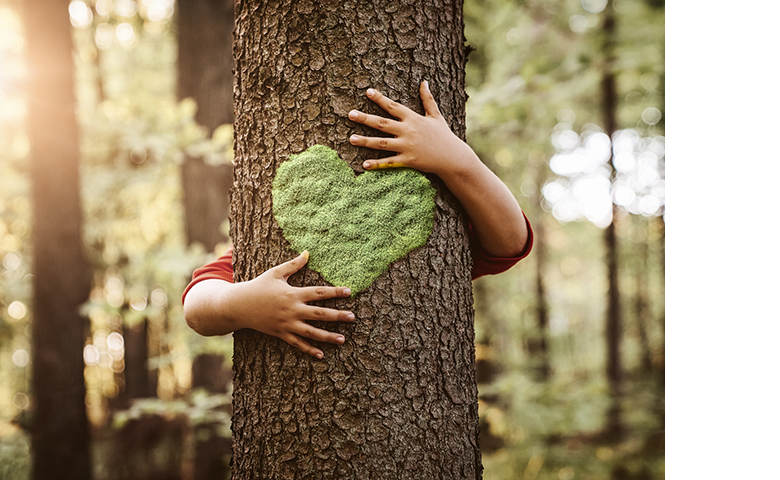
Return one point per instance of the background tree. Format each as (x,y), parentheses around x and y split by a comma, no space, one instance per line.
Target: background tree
(398,399)
(60,430)
(205,74)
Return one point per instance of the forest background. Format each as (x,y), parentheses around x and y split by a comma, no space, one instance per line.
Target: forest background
(535,116)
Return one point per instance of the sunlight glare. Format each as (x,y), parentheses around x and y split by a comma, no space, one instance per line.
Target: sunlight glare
(554,192)
(17,310)
(126,8)
(594,6)
(578,23)
(624,162)
(566,140)
(103,7)
(11,261)
(624,195)
(104,36)
(91,355)
(80,14)
(649,205)
(115,341)
(125,34)
(593,195)
(159,298)
(20,358)
(651,115)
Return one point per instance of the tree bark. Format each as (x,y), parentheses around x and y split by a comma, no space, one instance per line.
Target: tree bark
(60,436)
(398,399)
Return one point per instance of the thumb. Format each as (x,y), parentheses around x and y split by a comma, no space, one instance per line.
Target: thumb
(288,268)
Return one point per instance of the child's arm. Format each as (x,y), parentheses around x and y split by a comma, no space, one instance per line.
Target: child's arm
(427,144)
(267,304)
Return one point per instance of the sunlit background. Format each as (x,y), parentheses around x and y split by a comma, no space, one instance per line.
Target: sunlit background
(535,116)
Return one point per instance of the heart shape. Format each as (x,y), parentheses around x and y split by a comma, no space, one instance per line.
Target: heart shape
(354,227)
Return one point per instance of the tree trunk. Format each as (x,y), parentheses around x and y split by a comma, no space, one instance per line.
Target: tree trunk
(205,34)
(205,39)
(60,437)
(614,322)
(398,399)
(538,343)
(641,297)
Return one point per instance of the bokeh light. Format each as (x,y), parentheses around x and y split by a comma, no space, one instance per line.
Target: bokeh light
(80,14)
(17,310)
(20,357)
(91,355)
(584,188)
(594,6)
(125,34)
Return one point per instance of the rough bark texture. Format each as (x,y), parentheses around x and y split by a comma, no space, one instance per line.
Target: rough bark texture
(60,436)
(398,399)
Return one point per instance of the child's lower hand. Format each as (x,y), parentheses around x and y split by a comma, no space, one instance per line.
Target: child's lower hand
(267,304)
(423,143)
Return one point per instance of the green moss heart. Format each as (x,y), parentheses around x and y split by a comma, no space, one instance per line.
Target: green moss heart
(354,227)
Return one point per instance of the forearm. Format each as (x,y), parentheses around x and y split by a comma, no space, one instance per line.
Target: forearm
(495,216)
(206,308)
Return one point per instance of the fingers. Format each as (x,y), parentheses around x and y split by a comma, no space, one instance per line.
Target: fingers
(302,345)
(393,108)
(323,293)
(307,331)
(288,268)
(390,162)
(429,104)
(382,124)
(311,312)
(377,143)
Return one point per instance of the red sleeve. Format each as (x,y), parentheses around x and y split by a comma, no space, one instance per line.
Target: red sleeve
(485,264)
(219,269)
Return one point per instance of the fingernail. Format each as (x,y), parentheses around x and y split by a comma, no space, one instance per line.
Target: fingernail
(305,254)
(370,92)
(347,292)
(350,317)
(353,138)
(366,165)
(339,339)
(318,355)
(353,114)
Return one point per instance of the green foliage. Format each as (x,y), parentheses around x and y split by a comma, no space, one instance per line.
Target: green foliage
(353,227)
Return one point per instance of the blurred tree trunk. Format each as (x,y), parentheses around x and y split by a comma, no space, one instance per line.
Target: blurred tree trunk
(60,435)
(398,399)
(641,296)
(538,344)
(205,64)
(139,380)
(614,321)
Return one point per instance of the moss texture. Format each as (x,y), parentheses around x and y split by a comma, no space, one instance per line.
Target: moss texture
(354,227)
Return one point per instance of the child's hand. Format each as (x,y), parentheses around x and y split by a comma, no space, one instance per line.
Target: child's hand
(267,304)
(423,143)
(427,144)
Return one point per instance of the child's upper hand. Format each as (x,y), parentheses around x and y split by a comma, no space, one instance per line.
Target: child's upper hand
(270,305)
(423,143)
